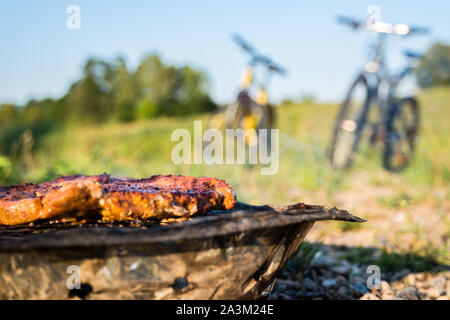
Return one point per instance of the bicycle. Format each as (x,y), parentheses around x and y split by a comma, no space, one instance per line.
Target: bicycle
(398,118)
(245,112)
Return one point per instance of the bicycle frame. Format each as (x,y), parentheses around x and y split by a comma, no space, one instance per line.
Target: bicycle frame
(377,75)
(376,65)
(248,80)
(256,59)
(380,87)
(245,108)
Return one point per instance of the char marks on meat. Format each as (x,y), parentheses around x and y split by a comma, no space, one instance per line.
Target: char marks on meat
(159,197)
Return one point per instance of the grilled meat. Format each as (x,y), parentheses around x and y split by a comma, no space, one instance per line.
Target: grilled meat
(20,204)
(163,197)
(159,197)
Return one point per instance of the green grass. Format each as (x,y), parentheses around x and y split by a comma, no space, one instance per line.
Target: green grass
(347,227)
(304,256)
(398,201)
(393,261)
(144,148)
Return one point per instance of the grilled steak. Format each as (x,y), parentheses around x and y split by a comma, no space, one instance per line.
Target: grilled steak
(164,197)
(159,197)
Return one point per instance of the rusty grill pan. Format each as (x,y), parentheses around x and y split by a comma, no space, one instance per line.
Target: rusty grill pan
(242,218)
(235,254)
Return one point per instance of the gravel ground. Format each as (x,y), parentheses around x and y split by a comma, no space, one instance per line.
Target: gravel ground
(406,234)
(330,276)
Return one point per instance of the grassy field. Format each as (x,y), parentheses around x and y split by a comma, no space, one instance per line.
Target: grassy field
(411,205)
(143,148)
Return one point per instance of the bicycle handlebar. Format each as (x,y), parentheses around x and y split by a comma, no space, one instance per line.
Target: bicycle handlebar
(350,22)
(244,45)
(257,58)
(383,27)
(271,65)
(420,30)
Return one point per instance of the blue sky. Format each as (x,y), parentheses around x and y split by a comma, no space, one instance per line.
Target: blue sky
(40,57)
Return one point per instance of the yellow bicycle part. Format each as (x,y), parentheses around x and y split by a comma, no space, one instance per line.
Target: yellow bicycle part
(249,124)
(261,97)
(246,78)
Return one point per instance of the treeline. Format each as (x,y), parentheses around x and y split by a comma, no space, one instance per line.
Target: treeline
(434,67)
(110,91)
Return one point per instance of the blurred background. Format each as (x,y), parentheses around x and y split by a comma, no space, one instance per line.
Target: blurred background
(106,98)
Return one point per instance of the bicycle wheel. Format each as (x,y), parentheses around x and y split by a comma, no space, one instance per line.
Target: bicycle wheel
(217,120)
(268,117)
(224,117)
(350,124)
(402,126)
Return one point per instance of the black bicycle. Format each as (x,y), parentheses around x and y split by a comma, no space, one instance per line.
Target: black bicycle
(396,121)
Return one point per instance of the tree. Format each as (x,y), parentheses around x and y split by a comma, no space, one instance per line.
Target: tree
(87,99)
(170,90)
(124,92)
(8,113)
(434,67)
(109,90)
(157,82)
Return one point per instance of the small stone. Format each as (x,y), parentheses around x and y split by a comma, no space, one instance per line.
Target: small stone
(402,273)
(309,284)
(342,269)
(411,279)
(311,294)
(387,295)
(420,277)
(397,285)
(328,283)
(290,293)
(285,296)
(343,293)
(180,283)
(289,283)
(327,273)
(356,271)
(313,275)
(423,293)
(320,260)
(357,279)
(282,286)
(341,280)
(409,293)
(434,293)
(369,296)
(437,283)
(385,287)
(361,288)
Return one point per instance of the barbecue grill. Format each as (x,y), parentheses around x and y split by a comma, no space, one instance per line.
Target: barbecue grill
(234,254)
